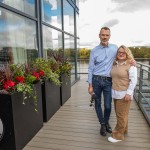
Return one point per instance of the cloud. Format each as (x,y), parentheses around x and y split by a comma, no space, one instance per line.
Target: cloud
(82,26)
(147,44)
(82,1)
(141,42)
(131,5)
(126,19)
(88,44)
(138,41)
(111,23)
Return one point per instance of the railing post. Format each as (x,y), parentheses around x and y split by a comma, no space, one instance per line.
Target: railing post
(149,70)
(140,84)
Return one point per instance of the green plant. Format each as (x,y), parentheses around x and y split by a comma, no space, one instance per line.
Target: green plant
(19,78)
(46,66)
(65,68)
(62,62)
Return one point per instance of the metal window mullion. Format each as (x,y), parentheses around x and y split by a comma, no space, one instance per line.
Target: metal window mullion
(39,28)
(63,39)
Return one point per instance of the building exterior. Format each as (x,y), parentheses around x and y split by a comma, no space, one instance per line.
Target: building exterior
(30,28)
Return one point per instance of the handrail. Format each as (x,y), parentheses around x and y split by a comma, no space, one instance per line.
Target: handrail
(142,90)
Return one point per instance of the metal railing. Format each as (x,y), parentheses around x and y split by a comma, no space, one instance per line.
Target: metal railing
(83,66)
(142,90)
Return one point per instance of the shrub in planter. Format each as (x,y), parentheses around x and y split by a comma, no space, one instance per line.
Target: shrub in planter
(19,78)
(20,106)
(50,88)
(65,88)
(64,71)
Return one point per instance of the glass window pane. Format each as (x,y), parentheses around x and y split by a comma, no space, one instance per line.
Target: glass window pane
(52,40)
(27,6)
(70,53)
(18,42)
(51,12)
(77,3)
(68,17)
(78,59)
(77,24)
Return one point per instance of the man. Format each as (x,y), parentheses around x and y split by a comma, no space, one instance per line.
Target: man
(100,64)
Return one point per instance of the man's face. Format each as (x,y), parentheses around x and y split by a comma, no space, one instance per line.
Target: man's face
(104,37)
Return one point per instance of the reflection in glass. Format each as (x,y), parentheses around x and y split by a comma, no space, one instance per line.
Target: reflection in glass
(68,17)
(18,43)
(70,53)
(52,40)
(51,12)
(27,6)
(78,59)
(77,3)
(77,24)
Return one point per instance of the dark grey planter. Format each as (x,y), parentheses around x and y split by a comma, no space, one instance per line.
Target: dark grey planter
(20,121)
(65,89)
(50,99)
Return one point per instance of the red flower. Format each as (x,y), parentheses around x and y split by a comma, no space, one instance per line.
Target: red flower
(8,84)
(41,73)
(20,79)
(36,75)
(5,86)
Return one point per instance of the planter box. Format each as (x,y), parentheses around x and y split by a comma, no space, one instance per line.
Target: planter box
(50,99)
(65,89)
(20,121)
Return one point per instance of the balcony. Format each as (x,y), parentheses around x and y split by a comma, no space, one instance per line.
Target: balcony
(75,127)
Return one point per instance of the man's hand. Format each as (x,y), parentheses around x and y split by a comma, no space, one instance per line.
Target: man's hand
(133,62)
(90,89)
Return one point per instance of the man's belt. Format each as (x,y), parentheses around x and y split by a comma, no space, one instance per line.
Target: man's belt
(103,77)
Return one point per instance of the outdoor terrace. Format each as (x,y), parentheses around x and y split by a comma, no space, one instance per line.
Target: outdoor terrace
(75,127)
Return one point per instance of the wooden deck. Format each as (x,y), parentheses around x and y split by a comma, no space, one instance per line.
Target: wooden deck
(75,127)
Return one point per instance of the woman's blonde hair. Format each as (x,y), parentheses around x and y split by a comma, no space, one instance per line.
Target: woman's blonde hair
(128,53)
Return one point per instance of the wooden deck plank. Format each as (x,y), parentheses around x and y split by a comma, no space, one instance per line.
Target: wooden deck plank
(75,127)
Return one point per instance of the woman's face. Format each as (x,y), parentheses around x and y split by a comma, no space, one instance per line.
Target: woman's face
(121,54)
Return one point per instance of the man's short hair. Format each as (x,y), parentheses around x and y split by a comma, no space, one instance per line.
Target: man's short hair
(105,28)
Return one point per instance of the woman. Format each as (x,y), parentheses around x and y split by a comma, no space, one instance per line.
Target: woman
(124,79)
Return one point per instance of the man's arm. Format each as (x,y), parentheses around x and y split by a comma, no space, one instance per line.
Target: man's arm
(90,72)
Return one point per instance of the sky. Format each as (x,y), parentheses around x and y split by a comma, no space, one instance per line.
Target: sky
(128,20)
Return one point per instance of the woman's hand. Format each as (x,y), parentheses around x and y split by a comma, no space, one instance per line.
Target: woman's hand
(127,97)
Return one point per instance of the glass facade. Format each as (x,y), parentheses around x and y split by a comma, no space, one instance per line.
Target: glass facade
(52,12)
(70,53)
(18,38)
(77,3)
(68,17)
(25,34)
(26,6)
(52,40)
(78,59)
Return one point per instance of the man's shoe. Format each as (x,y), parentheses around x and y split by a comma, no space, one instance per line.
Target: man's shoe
(108,128)
(103,130)
(110,139)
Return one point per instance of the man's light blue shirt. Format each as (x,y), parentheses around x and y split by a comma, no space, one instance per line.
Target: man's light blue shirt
(101,60)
